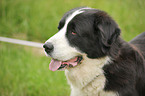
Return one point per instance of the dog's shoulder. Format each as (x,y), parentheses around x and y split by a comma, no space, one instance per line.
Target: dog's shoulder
(125,73)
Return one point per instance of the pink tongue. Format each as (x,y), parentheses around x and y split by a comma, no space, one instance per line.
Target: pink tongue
(55,64)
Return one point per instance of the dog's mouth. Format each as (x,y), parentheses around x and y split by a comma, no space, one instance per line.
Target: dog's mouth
(61,65)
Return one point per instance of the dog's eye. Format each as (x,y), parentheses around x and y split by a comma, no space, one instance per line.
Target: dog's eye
(74,33)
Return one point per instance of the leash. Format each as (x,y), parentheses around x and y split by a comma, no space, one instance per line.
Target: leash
(21,42)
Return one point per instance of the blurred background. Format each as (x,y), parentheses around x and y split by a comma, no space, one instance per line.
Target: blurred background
(24,71)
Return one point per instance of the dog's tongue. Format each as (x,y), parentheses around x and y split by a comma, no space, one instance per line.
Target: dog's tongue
(55,64)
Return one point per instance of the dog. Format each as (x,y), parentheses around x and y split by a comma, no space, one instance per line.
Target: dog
(96,60)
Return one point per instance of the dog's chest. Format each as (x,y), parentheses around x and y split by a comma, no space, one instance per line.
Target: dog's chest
(88,79)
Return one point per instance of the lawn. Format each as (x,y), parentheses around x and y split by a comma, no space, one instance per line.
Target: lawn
(24,71)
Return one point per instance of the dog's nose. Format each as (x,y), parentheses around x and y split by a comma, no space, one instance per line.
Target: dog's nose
(48,47)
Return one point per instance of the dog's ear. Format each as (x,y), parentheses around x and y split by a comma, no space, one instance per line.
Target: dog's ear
(106,28)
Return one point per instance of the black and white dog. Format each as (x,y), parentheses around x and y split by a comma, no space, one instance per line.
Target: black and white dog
(96,60)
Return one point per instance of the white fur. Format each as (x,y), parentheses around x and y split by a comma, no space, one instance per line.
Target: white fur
(87,79)
(62,50)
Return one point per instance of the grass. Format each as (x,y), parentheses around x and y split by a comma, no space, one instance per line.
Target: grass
(24,71)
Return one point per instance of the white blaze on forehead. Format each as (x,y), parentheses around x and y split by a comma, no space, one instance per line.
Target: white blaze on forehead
(71,17)
(74,14)
(62,49)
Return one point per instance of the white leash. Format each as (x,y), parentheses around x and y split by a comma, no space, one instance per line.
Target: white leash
(21,42)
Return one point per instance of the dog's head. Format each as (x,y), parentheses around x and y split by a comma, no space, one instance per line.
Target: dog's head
(81,31)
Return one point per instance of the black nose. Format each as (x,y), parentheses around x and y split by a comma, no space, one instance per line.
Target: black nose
(48,47)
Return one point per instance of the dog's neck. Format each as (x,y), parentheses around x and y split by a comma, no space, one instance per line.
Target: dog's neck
(89,74)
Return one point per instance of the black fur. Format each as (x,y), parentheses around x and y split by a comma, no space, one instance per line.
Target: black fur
(98,35)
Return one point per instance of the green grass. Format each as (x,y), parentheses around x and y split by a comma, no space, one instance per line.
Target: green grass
(23,70)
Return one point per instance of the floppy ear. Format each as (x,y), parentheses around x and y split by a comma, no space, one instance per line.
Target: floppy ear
(106,28)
